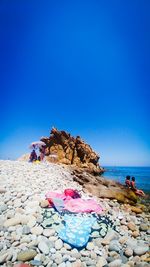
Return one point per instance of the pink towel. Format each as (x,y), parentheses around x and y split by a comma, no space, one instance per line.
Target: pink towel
(51,195)
(82,205)
(77,204)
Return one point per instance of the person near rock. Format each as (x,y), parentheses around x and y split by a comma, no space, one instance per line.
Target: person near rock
(33,156)
(127,181)
(42,153)
(39,158)
(133,187)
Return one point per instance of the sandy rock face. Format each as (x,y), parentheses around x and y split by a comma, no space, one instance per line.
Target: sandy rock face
(64,148)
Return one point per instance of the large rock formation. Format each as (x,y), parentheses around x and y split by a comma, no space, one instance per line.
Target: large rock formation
(70,150)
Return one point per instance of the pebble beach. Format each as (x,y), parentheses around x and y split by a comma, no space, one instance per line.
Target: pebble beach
(23,186)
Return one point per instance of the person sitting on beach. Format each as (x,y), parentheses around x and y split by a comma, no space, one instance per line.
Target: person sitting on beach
(127,181)
(133,187)
(33,156)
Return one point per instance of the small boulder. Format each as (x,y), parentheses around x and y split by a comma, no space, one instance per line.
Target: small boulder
(26,255)
(115,263)
(111,235)
(43,247)
(90,246)
(3,207)
(131,226)
(58,244)
(114,246)
(37,230)
(140,250)
(48,232)
(5,256)
(77,263)
(135,233)
(136,210)
(143,227)
(36,262)
(44,203)
(26,230)
(128,252)
(12,222)
(101,262)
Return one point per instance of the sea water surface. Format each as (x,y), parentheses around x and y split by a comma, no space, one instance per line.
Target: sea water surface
(141,174)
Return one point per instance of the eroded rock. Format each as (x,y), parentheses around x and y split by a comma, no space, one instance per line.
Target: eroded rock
(66,149)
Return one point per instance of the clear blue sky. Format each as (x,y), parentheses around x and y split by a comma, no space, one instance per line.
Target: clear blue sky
(82,66)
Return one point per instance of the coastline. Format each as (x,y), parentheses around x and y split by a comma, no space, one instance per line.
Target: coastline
(141,174)
(23,187)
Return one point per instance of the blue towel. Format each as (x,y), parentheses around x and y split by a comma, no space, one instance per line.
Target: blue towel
(76,230)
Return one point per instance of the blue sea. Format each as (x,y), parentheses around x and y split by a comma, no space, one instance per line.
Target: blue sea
(141,174)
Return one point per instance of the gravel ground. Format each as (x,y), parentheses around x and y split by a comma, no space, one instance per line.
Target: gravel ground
(22,238)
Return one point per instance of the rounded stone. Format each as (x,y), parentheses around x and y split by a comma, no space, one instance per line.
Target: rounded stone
(90,246)
(114,246)
(148,231)
(25,239)
(58,244)
(101,262)
(37,230)
(43,247)
(128,252)
(4,255)
(93,255)
(135,233)
(44,203)
(48,232)
(26,255)
(52,250)
(3,207)
(140,250)
(35,262)
(32,222)
(131,226)
(96,226)
(12,221)
(84,253)
(58,258)
(77,263)
(115,263)
(95,234)
(67,246)
(26,230)
(143,227)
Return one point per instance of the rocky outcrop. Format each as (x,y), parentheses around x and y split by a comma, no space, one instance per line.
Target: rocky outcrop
(103,188)
(63,148)
(82,161)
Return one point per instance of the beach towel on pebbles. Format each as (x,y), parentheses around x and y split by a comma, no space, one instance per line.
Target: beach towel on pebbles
(67,225)
(76,230)
(82,205)
(72,204)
